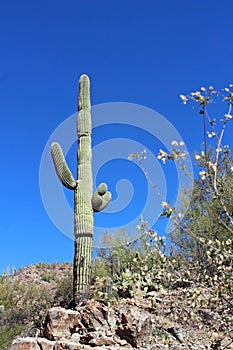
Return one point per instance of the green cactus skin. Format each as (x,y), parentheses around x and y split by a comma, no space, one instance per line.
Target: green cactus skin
(115,265)
(101,197)
(85,202)
(108,287)
(63,172)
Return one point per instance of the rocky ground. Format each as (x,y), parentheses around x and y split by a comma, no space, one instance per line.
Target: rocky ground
(127,324)
(162,319)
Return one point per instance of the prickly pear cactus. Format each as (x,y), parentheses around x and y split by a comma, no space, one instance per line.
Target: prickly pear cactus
(85,202)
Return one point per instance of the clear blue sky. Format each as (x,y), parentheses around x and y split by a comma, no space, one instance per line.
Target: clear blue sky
(144,52)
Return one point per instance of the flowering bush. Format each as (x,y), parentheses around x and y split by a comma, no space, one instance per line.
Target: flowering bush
(200,262)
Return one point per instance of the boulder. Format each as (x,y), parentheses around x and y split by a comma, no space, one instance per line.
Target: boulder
(134,325)
(25,344)
(61,323)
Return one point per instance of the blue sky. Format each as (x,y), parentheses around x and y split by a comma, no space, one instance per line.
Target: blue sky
(146,53)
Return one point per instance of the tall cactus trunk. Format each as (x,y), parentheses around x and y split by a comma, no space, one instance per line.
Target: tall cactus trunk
(85,202)
(83,211)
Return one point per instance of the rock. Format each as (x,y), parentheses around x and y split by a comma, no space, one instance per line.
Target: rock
(68,345)
(110,317)
(120,341)
(94,315)
(75,338)
(97,339)
(45,344)
(25,344)
(30,343)
(32,332)
(134,326)
(60,323)
(57,324)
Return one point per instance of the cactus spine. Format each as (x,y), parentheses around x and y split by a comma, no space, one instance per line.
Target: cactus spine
(85,202)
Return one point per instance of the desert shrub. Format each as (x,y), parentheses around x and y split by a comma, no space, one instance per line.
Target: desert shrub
(24,304)
(24,301)
(64,291)
(202,239)
(7,334)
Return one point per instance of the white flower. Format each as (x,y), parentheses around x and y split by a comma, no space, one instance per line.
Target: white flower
(161,154)
(174,143)
(232,169)
(197,93)
(228,116)
(197,156)
(163,160)
(181,143)
(213,166)
(164,204)
(203,89)
(183,155)
(202,174)
(211,134)
(184,99)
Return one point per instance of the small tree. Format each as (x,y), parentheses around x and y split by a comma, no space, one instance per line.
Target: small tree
(210,213)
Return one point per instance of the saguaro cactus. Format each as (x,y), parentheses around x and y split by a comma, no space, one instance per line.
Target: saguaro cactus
(85,202)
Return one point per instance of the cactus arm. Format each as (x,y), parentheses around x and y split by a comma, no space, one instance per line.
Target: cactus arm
(101,198)
(63,172)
